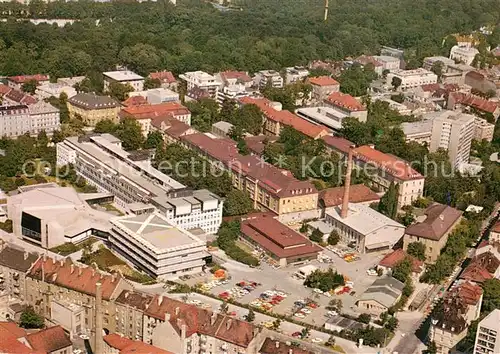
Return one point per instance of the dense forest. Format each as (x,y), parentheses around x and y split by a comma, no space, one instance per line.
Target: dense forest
(262,34)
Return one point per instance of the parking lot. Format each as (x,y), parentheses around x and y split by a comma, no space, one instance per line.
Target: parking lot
(276,291)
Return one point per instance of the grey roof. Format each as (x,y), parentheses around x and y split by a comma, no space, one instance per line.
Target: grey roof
(93,101)
(492,320)
(18,259)
(344,322)
(385,291)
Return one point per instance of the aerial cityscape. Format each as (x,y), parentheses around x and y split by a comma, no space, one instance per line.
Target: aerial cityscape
(250,177)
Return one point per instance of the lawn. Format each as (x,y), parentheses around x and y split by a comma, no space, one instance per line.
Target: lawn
(68,247)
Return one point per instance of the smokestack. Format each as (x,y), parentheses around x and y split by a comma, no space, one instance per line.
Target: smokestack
(98,346)
(347,185)
(326,10)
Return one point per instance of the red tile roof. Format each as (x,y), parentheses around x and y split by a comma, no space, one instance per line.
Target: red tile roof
(149,111)
(345,101)
(240,76)
(367,59)
(337,143)
(9,343)
(4,89)
(277,238)
(430,87)
(20,97)
(163,76)
(496,227)
(271,346)
(129,346)
(21,79)
(474,101)
(49,340)
(79,278)
(222,149)
(135,101)
(476,273)
(172,126)
(358,193)
(201,321)
(286,118)
(439,220)
(393,258)
(470,294)
(323,81)
(10,329)
(256,144)
(388,163)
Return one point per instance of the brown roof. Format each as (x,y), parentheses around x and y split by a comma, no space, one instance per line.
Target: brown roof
(358,193)
(20,97)
(129,346)
(79,278)
(9,343)
(4,89)
(345,101)
(496,227)
(240,76)
(337,143)
(201,321)
(171,126)
(271,346)
(277,238)
(469,293)
(390,164)
(93,101)
(367,59)
(49,340)
(256,144)
(134,299)
(135,101)
(17,259)
(440,218)
(164,76)
(474,101)
(10,329)
(323,81)
(476,273)
(150,111)
(24,78)
(393,258)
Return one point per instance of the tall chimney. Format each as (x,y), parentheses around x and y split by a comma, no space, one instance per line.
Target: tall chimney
(98,345)
(326,10)
(347,185)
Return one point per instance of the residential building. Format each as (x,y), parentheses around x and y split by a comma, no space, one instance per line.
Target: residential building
(21,119)
(389,168)
(269,187)
(200,80)
(419,132)
(480,82)
(271,346)
(54,90)
(380,296)
(392,52)
(256,144)
(43,117)
(130,307)
(463,55)
(230,78)
(453,131)
(322,86)
(17,82)
(117,344)
(388,62)
(364,60)
(12,97)
(337,145)
(157,246)
(124,77)
(434,93)
(332,197)
(295,74)
(92,108)
(459,308)
(132,101)
(392,259)
(200,209)
(171,128)
(180,328)
(495,233)
(474,103)
(412,78)
(401,108)
(487,336)
(274,119)
(348,105)
(430,61)
(51,340)
(282,244)
(51,280)
(68,315)
(70,81)
(52,216)
(166,78)
(157,96)
(433,229)
(268,77)
(325,116)
(483,267)
(483,130)
(14,263)
(222,129)
(104,164)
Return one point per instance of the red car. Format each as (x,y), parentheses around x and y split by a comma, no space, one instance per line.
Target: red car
(312,305)
(296,334)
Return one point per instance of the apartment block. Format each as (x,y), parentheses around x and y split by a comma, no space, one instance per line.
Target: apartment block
(382,169)
(124,77)
(54,89)
(388,62)
(322,86)
(430,61)
(347,105)
(488,334)
(483,130)
(14,263)
(21,119)
(412,78)
(453,131)
(295,74)
(92,109)
(463,55)
(166,78)
(268,77)
(201,81)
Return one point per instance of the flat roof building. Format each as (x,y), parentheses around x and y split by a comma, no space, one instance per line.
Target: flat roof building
(124,77)
(347,105)
(201,81)
(488,334)
(325,116)
(412,78)
(157,246)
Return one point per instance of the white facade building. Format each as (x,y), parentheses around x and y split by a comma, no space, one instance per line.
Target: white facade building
(44,116)
(295,73)
(327,116)
(388,62)
(488,334)
(454,132)
(21,119)
(124,77)
(200,80)
(54,89)
(430,61)
(158,95)
(265,77)
(157,246)
(412,78)
(463,54)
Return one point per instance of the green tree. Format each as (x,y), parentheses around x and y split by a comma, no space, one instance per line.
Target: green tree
(153,140)
(250,317)
(223,308)
(437,68)
(276,324)
(305,332)
(316,236)
(119,91)
(237,203)
(334,238)
(365,318)
(150,83)
(30,86)
(431,348)
(491,295)
(30,319)
(417,250)
(392,324)
(388,204)
(402,270)
(105,126)
(396,82)
(129,132)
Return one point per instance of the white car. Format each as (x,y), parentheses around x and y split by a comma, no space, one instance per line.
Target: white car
(316,340)
(318,291)
(299,315)
(327,294)
(304,310)
(371,272)
(332,313)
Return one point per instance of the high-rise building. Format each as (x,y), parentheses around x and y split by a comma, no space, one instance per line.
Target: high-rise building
(453,131)
(488,334)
